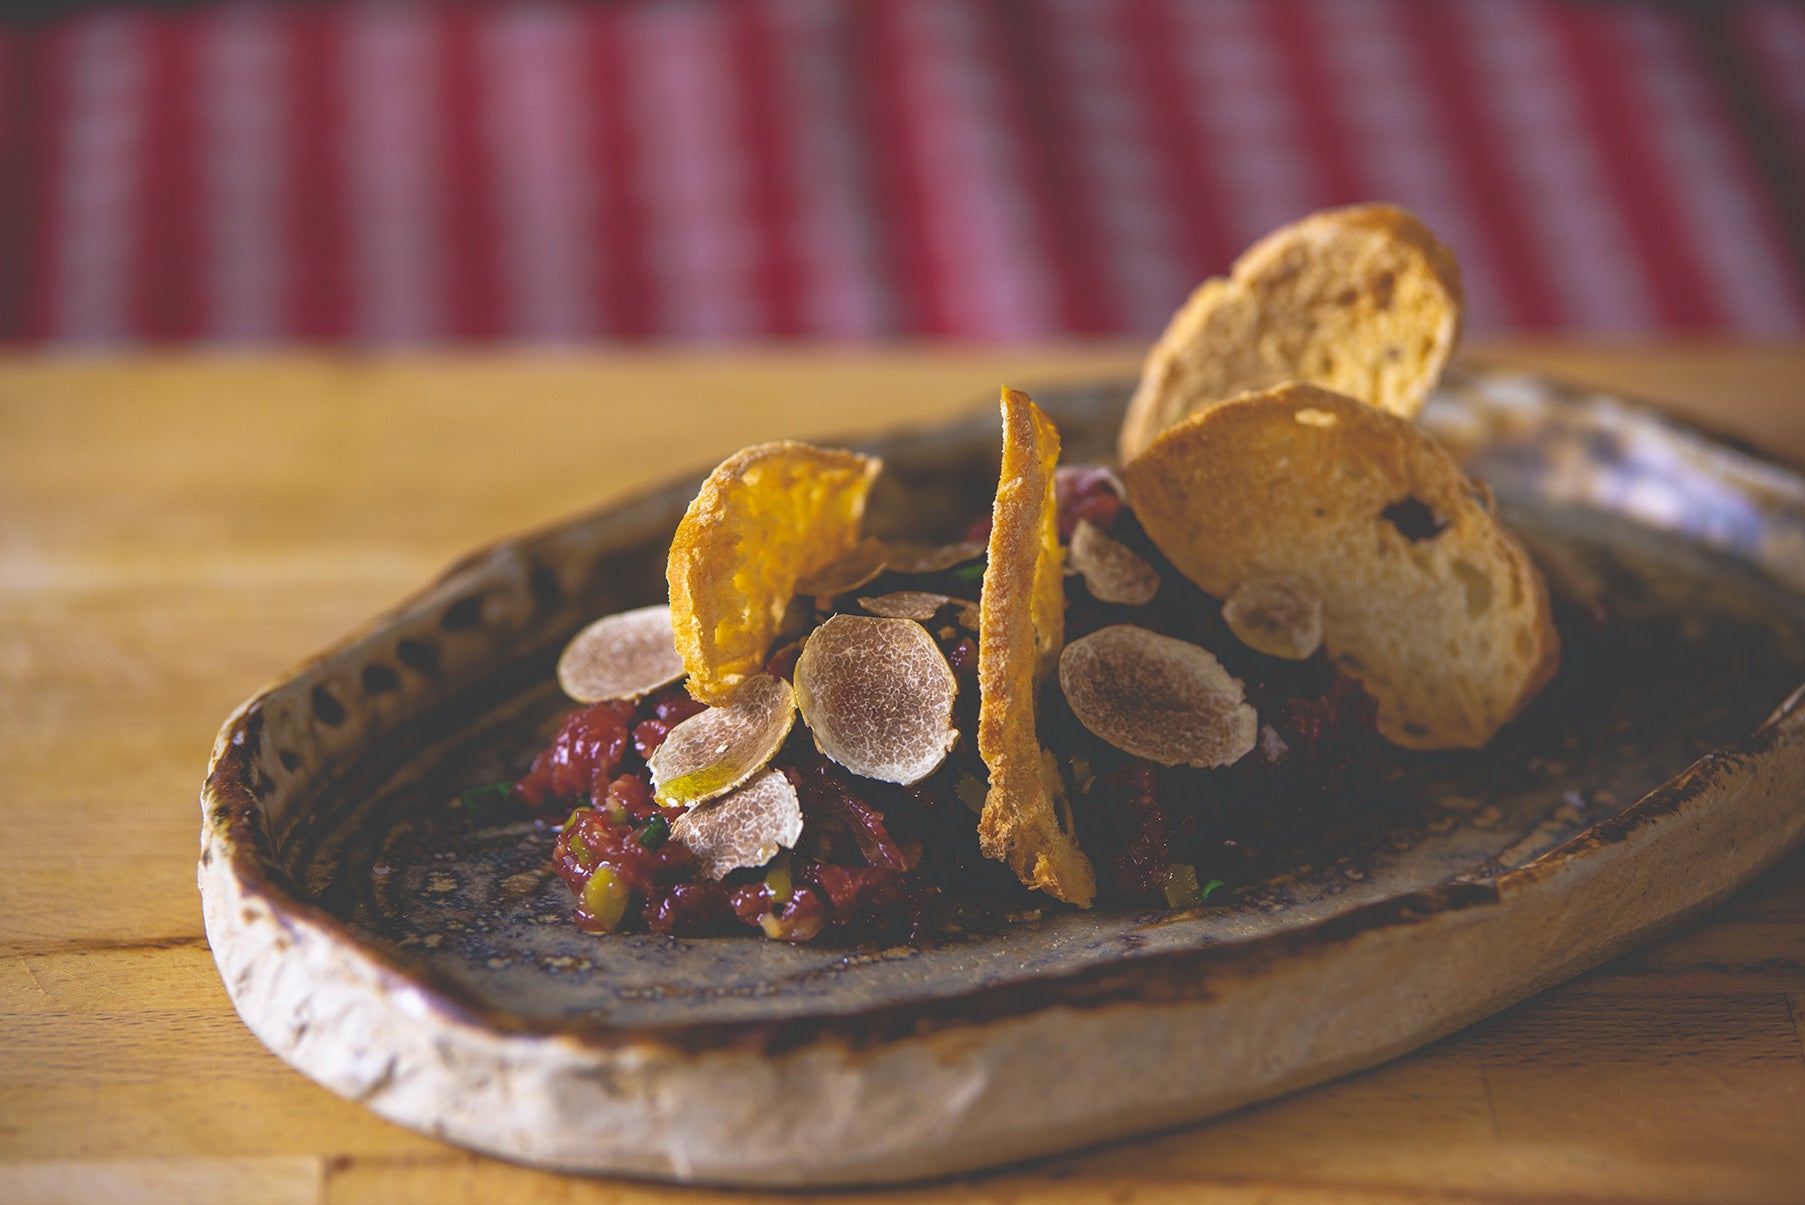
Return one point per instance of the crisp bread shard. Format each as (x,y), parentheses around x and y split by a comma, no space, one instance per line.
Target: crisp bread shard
(1426,599)
(1026,820)
(766,518)
(1364,301)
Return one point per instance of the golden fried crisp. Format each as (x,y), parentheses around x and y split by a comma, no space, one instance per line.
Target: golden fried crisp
(1425,599)
(1026,821)
(767,517)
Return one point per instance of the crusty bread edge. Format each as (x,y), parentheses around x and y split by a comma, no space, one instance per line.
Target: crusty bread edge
(1152,409)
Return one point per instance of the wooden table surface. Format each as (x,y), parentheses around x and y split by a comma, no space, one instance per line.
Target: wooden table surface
(174,532)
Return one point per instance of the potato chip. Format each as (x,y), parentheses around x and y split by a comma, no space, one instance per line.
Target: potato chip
(905,557)
(768,517)
(621,657)
(1026,821)
(877,695)
(744,828)
(919,605)
(716,750)
(1157,697)
(1276,616)
(1426,600)
(861,564)
(1112,571)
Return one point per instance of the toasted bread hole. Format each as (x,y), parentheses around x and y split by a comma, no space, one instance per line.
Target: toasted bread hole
(1414,519)
(1477,585)
(1346,297)
(1312,417)
(1383,288)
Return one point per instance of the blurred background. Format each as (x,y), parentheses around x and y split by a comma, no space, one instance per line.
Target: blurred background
(380,174)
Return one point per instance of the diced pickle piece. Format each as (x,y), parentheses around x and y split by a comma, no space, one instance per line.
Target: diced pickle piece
(605,899)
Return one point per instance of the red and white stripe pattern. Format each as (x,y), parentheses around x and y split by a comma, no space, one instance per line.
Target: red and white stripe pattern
(865,169)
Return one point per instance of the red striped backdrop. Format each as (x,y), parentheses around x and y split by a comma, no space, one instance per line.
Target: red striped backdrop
(981,169)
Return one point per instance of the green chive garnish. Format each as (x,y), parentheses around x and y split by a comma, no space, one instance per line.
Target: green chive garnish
(487,804)
(655,833)
(1182,890)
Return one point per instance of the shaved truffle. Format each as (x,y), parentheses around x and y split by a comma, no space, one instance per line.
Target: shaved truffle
(1112,571)
(931,558)
(744,828)
(919,605)
(621,657)
(716,750)
(1277,616)
(1163,699)
(877,695)
(863,562)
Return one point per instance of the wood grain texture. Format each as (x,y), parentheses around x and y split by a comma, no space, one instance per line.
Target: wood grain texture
(175,531)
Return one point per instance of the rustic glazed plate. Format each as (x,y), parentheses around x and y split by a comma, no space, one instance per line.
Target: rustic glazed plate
(404,956)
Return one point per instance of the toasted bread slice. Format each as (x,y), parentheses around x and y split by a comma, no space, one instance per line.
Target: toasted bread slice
(1026,820)
(1363,301)
(1432,605)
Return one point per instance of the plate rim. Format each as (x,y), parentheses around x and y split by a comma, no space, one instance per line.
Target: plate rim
(245,892)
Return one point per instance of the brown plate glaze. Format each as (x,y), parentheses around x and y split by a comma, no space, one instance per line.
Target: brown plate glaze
(405,957)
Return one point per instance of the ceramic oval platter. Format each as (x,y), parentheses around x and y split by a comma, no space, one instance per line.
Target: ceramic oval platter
(401,954)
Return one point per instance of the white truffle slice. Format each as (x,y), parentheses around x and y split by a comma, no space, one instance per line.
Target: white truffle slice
(931,558)
(919,605)
(1277,616)
(877,694)
(861,563)
(714,751)
(1163,699)
(744,828)
(1112,571)
(621,657)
